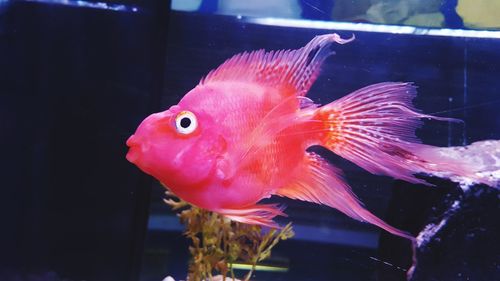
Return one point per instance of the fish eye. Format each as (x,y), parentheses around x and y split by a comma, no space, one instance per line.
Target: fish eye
(186,122)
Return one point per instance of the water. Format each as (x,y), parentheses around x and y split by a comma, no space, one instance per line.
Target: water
(451,72)
(77,78)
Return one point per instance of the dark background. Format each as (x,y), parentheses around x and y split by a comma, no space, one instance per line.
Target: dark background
(75,82)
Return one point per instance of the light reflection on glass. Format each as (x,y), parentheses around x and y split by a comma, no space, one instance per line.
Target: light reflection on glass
(88,4)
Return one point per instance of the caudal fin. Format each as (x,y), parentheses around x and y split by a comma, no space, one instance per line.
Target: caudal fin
(374,127)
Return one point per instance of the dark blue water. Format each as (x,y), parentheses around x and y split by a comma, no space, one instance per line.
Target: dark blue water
(75,82)
(456,78)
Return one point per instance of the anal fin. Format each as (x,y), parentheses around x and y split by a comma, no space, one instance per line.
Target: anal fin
(321,183)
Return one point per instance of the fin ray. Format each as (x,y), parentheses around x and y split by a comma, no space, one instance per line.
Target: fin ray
(321,183)
(282,116)
(260,214)
(374,127)
(297,69)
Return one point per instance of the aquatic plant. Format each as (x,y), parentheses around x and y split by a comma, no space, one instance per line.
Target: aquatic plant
(217,242)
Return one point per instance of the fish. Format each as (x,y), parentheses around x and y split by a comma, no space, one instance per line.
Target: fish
(242,135)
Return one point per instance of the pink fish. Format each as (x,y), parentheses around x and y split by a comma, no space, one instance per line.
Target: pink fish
(241,135)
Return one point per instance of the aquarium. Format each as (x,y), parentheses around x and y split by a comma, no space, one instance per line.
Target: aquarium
(454,70)
(79,77)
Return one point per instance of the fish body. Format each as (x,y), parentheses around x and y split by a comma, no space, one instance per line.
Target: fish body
(226,121)
(241,135)
(208,168)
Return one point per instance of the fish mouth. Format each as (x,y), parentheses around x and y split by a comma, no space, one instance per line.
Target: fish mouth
(134,149)
(133,155)
(132,141)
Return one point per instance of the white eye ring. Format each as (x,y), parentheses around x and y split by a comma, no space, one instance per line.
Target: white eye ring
(186,122)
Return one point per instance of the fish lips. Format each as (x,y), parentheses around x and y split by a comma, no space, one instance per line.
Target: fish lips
(135,149)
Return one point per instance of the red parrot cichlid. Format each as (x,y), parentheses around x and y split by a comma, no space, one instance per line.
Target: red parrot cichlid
(241,135)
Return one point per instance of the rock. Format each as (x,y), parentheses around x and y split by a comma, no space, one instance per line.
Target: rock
(388,12)
(403,11)
(427,20)
(480,13)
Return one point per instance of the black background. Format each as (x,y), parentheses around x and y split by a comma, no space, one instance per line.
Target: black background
(74,84)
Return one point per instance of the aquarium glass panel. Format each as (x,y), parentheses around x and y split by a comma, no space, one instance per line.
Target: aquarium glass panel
(454,64)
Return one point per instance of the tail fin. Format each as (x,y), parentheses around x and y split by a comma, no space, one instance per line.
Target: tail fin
(374,128)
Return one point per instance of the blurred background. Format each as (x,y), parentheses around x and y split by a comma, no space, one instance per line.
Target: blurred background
(77,77)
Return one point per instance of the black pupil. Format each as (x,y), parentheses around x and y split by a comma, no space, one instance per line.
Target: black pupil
(185,122)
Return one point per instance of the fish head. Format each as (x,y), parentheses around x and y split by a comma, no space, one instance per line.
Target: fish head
(178,146)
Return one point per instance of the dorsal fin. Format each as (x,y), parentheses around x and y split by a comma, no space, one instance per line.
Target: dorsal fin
(297,69)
